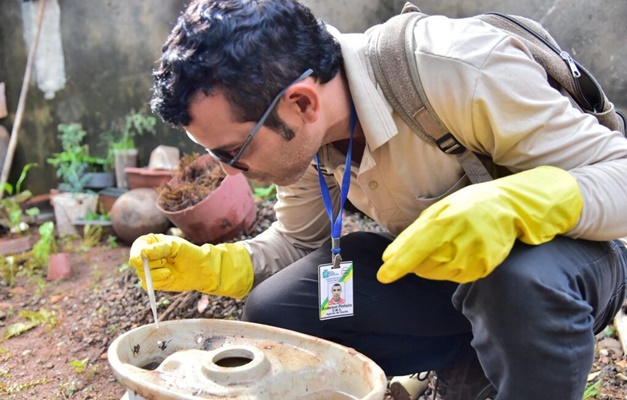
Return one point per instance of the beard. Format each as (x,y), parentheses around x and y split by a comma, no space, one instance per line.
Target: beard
(291,164)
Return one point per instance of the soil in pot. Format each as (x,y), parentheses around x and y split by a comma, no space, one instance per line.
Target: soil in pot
(192,183)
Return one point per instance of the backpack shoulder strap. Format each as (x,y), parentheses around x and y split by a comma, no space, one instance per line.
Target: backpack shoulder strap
(569,75)
(391,53)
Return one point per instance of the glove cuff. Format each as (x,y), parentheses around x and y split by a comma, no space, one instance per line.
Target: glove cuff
(235,275)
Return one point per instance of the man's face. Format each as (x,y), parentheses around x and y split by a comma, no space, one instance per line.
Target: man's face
(268,157)
(336,292)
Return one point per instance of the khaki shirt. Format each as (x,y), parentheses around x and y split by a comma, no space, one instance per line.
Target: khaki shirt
(494,98)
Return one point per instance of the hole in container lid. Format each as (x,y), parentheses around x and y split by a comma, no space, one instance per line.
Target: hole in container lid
(233,358)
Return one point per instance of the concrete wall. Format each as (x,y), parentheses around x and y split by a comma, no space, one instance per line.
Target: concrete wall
(109,48)
(592,32)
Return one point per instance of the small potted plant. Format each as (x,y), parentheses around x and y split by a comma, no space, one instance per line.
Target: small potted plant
(15,217)
(207,205)
(122,148)
(45,253)
(13,214)
(74,165)
(94,220)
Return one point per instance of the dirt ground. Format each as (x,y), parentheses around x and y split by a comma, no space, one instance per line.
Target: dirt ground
(65,357)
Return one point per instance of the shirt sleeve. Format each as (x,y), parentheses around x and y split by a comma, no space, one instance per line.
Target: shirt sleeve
(302,225)
(496,100)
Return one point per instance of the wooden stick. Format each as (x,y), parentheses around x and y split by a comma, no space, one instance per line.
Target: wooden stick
(180,300)
(22,101)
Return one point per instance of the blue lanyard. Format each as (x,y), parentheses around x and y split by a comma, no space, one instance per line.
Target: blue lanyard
(336,223)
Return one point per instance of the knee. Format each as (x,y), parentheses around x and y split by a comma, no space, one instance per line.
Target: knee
(258,305)
(516,287)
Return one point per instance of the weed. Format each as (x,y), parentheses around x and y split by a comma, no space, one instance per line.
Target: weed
(11,213)
(79,365)
(8,270)
(69,389)
(34,318)
(112,330)
(46,244)
(92,235)
(264,193)
(20,387)
(97,273)
(592,389)
(41,285)
(112,242)
(124,267)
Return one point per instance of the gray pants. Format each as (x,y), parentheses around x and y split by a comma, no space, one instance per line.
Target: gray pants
(531,322)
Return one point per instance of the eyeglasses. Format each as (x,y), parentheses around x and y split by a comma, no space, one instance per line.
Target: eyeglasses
(227,157)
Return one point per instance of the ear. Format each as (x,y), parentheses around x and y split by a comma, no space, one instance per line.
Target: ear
(303,99)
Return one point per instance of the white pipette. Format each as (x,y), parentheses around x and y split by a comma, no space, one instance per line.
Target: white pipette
(151,292)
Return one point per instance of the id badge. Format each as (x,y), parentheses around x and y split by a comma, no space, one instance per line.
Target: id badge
(335,290)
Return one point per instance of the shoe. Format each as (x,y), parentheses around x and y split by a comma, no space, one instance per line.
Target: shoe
(408,387)
(465,381)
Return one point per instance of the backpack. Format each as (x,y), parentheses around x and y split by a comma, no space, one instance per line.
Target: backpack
(396,72)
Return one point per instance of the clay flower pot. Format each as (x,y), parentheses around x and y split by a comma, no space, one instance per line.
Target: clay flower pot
(147,178)
(108,196)
(124,158)
(223,215)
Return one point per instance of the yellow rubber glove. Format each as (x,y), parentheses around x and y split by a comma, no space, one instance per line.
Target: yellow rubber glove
(464,236)
(178,265)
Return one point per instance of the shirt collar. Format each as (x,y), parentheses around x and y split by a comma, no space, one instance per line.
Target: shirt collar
(374,112)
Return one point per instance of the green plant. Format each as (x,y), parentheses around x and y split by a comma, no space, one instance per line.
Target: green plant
(92,235)
(79,365)
(263,193)
(8,270)
(134,124)
(35,318)
(112,242)
(11,213)
(74,162)
(95,216)
(592,389)
(46,244)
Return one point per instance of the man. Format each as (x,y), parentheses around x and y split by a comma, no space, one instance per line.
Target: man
(336,292)
(513,276)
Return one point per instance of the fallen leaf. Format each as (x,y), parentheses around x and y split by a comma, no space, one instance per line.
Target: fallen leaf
(593,375)
(203,303)
(18,328)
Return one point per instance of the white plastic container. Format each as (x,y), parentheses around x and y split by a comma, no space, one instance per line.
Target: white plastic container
(218,359)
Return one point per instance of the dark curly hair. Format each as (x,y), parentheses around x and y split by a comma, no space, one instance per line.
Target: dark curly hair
(248,49)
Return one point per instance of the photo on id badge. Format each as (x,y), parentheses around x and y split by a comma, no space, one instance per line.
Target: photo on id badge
(335,289)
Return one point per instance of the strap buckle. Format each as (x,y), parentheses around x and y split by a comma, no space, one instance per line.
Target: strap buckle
(449,144)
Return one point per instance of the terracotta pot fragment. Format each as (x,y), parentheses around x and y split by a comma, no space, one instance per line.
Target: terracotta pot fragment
(59,266)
